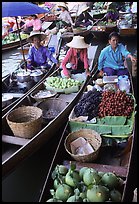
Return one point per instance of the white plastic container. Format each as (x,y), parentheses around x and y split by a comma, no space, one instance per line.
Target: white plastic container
(124,83)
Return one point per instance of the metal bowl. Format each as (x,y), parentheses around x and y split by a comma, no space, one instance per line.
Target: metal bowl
(36,75)
(23,76)
(42,94)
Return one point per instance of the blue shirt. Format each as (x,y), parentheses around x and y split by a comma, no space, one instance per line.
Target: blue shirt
(113,59)
(40,56)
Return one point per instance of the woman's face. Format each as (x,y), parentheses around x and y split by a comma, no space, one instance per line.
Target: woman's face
(36,41)
(114,42)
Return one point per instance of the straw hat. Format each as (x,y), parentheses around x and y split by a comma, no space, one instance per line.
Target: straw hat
(78,43)
(35,33)
(62,4)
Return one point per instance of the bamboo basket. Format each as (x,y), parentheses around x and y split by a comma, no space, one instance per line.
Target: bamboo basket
(92,137)
(25,121)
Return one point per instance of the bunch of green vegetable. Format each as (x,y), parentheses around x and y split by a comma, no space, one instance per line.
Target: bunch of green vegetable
(84,185)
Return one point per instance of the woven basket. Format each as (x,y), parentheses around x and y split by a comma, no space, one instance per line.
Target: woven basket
(25,121)
(92,137)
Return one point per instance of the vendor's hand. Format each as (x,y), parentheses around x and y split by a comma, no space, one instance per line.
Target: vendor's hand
(101,73)
(57,65)
(29,61)
(88,73)
(133,59)
(68,75)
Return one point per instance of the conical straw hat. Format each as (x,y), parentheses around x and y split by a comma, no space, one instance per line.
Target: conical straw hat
(34,33)
(78,43)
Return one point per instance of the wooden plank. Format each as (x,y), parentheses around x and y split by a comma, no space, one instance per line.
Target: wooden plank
(118,170)
(14,140)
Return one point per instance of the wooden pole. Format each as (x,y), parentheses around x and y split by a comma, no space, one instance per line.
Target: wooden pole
(20,42)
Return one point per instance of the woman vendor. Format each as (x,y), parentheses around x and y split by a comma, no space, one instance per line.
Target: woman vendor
(64,19)
(77,57)
(38,54)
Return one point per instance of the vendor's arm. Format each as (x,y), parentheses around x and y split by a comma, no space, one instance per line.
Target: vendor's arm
(51,57)
(86,65)
(127,54)
(65,61)
(27,24)
(133,59)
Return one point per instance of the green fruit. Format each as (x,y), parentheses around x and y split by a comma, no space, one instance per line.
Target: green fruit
(115,195)
(98,193)
(53,200)
(56,183)
(72,178)
(110,179)
(90,176)
(74,198)
(83,195)
(100,173)
(62,169)
(81,171)
(63,192)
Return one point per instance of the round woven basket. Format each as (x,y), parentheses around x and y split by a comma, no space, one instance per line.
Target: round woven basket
(25,121)
(92,137)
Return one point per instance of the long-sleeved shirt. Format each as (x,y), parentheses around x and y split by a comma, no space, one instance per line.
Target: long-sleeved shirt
(71,57)
(40,56)
(65,16)
(35,23)
(113,59)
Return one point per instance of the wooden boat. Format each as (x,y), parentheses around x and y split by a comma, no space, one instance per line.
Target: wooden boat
(112,158)
(16,149)
(18,91)
(12,45)
(128,32)
(61,157)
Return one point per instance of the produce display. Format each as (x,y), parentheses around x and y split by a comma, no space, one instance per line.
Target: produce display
(112,117)
(116,104)
(84,185)
(88,104)
(13,37)
(64,85)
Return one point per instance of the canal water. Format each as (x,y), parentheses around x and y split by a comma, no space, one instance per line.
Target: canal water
(10,61)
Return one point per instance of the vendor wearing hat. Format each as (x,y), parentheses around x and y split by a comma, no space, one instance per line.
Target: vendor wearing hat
(84,19)
(77,57)
(38,54)
(64,17)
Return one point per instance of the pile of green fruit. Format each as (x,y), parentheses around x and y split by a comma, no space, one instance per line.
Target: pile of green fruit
(13,37)
(62,83)
(84,185)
